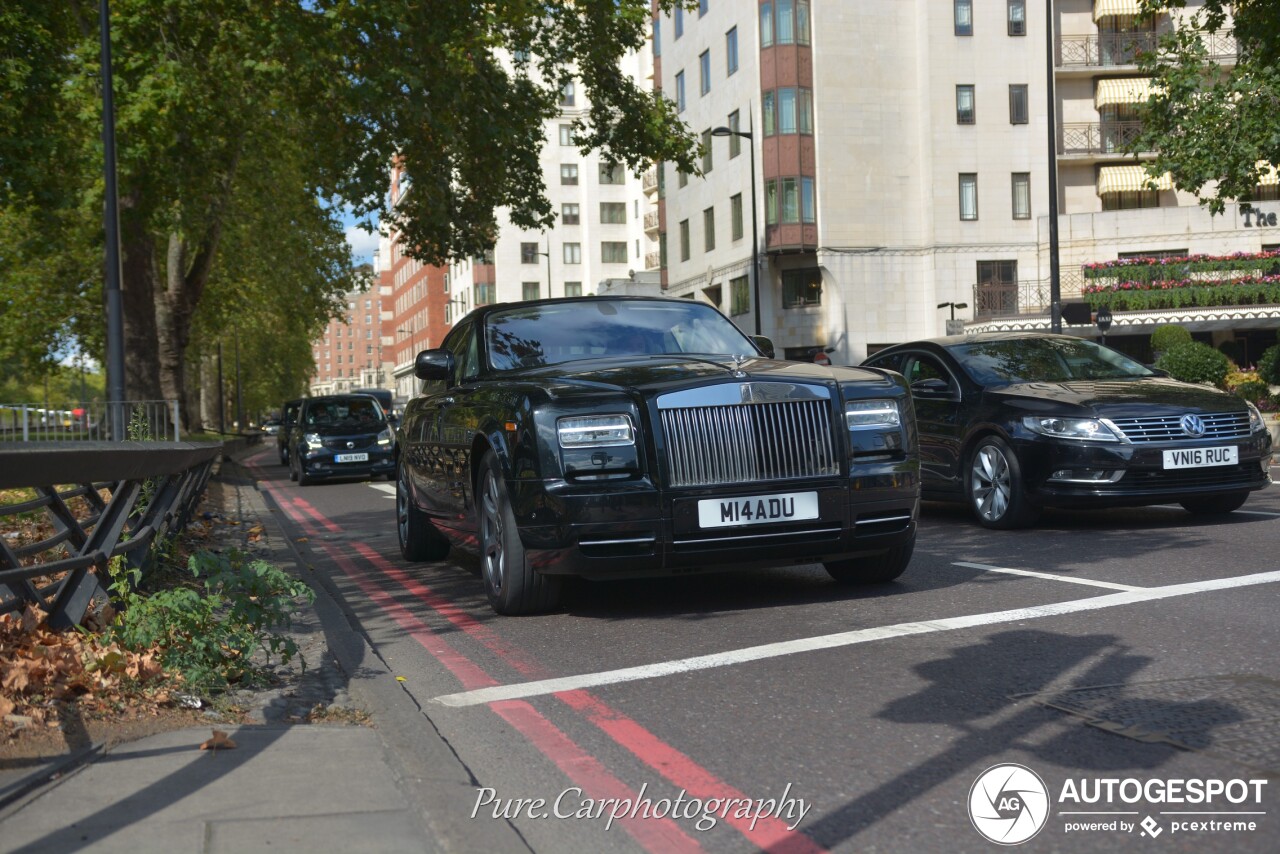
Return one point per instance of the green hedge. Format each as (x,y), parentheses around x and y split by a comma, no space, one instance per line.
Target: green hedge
(1155,269)
(1194,362)
(1169,293)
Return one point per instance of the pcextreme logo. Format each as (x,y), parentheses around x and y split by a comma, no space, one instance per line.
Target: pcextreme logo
(1008,804)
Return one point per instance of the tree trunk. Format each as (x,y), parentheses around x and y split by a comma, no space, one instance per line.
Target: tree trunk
(209,395)
(137,289)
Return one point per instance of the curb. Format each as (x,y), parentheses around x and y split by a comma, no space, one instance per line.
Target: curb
(14,796)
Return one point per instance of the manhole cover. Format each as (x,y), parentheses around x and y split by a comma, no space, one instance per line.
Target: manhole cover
(1233,717)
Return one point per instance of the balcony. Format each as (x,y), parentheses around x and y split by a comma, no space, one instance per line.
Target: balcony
(651,222)
(1027,297)
(653,260)
(1092,138)
(1111,50)
(649,181)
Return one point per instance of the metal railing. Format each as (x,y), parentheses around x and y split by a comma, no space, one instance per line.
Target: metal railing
(34,422)
(1098,137)
(1109,50)
(651,221)
(649,181)
(60,532)
(1026,297)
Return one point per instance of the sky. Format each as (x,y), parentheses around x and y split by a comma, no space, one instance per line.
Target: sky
(363,244)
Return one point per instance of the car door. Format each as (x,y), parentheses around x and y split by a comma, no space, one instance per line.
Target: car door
(937,396)
(449,422)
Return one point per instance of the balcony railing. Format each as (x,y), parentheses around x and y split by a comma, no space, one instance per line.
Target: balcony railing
(652,260)
(1029,296)
(1098,137)
(1107,50)
(649,181)
(651,221)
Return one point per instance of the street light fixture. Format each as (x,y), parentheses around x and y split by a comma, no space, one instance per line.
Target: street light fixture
(547,255)
(755,242)
(954,306)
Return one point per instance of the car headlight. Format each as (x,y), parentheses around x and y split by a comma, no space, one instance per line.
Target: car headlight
(1256,423)
(313,441)
(864,414)
(594,431)
(384,438)
(1086,429)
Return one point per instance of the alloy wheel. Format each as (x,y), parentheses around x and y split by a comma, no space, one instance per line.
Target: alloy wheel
(991,483)
(492,555)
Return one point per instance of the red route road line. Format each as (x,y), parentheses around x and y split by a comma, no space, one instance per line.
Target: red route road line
(656,835)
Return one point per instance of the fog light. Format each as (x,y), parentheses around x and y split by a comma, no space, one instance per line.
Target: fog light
(1086,476)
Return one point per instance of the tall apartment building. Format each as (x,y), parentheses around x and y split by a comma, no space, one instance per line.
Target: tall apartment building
(349,353)
(902,154)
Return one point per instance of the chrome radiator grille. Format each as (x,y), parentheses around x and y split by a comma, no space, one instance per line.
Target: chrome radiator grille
(1168,428)
(740,443)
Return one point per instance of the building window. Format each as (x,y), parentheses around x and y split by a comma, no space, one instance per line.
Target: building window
(1130,200)
(569,173)
(573,289)
(997,291)
(735,216)
(964,17)
(566,134)
(771,202)
(573,253)
(528,253)
(531,290)
(569,214)
(767,101)
(739,296)
(766,24)
(802,21)
(801,288)
(808,212)
(785,32)
(707,159)
(683,179)
(735,142)
(679,14)
(483,293)
(614,174)
(1018,104)
(787,111)
(684,240)
(704,72)
(1017,17)
(790,201)
(702,7)
(1022,195)
(731,52)
(613,212)
(679,90)
(709,229)
(567,96)
(613,251)
(968,196)
(965,110)
(657,37)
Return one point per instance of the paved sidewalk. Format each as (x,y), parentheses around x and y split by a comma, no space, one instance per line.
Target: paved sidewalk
(391,786)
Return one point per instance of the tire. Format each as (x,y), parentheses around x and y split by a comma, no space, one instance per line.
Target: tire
(419,540)
(293,474)
(874,569)
(511,584)
(995,489)
(1215,505)
(302,478)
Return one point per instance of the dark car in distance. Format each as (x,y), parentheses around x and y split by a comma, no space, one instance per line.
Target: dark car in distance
(611,437)
(341,435)
(1013,422)
(288,417)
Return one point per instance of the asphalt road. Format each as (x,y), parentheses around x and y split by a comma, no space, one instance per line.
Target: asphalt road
(774,709)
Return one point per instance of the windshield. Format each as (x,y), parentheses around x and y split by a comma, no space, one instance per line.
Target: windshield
(552,333)
(1044,360)
(344,412)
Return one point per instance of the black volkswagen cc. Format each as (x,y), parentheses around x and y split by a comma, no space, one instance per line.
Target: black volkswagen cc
(1013,422)
(612,437)
(340,435)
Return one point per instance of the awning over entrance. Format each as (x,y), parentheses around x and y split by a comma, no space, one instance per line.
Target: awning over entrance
(1125,90)
(1112,8)
(1130,179)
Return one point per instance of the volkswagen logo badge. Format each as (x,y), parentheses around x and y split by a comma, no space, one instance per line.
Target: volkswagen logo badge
(1192,425)
(351,445)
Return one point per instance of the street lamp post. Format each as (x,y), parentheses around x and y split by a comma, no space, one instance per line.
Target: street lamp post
(547,255)
(755,241)
(111,224)
(953,306)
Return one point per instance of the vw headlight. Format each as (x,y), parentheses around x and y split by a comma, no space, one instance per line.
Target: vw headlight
(1256,424)
(594,431)
(1086,429)
(384,438)
(864,414)
(313,441)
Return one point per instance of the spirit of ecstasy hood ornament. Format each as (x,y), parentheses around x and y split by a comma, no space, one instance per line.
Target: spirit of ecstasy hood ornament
(738,362)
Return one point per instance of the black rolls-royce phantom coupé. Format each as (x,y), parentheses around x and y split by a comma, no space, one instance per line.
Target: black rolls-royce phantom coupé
(614,437)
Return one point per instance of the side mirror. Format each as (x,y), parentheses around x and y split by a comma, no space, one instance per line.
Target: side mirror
(433,365)
(765,345)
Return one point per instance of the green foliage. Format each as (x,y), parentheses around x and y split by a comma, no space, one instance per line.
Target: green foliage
(1165,337)
(1269,365)
(1253,391)
(210,631)
(1195,98)
(1132,296)
(1194,362)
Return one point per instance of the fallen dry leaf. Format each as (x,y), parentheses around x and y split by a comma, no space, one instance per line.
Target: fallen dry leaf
(218,742)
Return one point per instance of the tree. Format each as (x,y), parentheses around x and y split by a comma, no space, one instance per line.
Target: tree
(1212,125)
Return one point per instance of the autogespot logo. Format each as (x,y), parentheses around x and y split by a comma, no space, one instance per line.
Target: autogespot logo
(1008,804)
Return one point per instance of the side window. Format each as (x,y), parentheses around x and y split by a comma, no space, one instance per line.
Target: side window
(926,374)
(893,362)
(466,356)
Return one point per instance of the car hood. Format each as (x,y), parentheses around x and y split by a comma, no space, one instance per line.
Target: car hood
(1127,398)
(346,429)
(658,374)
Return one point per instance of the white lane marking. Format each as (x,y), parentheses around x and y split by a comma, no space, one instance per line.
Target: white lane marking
(543,687)
(384,487)
(1048,575)
(1258,512)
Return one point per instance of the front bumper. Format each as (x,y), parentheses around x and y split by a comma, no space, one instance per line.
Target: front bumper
(322,465)
(632,529)
(1138,471)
